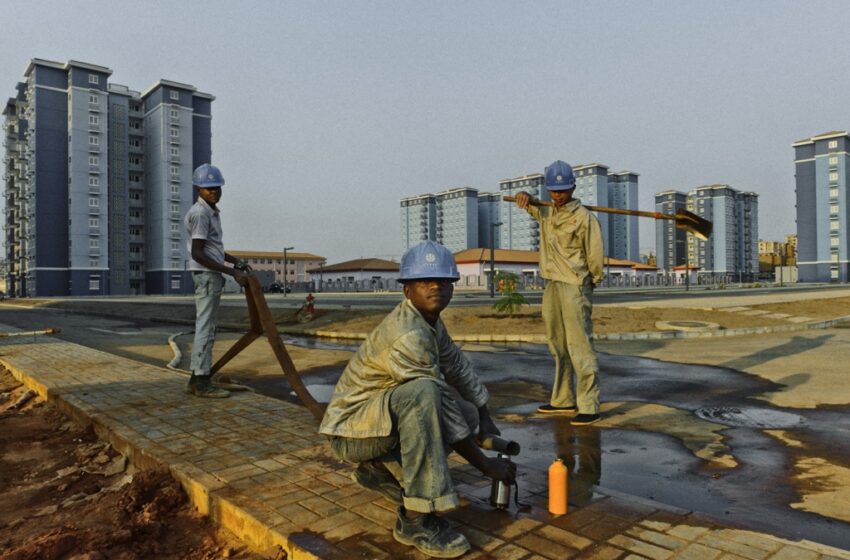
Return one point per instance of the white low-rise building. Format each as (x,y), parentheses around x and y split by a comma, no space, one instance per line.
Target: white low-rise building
(356,276)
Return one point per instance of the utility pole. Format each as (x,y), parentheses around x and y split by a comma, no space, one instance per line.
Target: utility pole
(285,276)
(493,227)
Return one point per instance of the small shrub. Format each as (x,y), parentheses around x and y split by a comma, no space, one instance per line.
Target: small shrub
(511,300)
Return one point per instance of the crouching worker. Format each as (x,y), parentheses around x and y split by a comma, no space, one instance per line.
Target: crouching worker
(395,414)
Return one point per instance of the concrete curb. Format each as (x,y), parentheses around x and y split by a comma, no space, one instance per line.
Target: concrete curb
(541,339)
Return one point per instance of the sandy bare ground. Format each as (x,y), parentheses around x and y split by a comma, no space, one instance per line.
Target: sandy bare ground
(480,319)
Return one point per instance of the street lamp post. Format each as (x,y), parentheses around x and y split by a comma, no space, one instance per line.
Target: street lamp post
(493,227)
(688,264)
(285,275)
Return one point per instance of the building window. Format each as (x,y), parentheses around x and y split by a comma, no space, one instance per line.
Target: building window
(94,99)
(175,95)
(834,241)
(175,246)
(93,119)
(94,202)
(94,160)
(833,144)
(833,209)
(94,79)
(833,225)
(833,176)
(175,170)
(175,283)
(833,160)
(174,132)
(175,207)
(94,222)
(175,189)
(834,257)
(175,228)
(94,243)
(173,113)
(833,193)
(93,140)
(175,151)
(833,273)
(94,283)
(94,181)
(94,263)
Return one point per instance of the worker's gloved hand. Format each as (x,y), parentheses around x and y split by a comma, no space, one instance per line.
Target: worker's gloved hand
(243,266)
(487,426)
(485,422)
(499,468)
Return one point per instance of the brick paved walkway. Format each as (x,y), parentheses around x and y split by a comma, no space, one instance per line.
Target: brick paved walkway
(257,466)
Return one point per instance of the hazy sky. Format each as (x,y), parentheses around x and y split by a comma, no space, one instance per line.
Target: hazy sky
(327,113)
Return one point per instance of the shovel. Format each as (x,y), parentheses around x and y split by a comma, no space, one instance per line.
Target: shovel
(685,220)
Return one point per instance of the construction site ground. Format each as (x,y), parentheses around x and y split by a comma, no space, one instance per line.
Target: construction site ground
(256,466)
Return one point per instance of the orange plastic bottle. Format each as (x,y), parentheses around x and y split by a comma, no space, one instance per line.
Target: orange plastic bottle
(557,487)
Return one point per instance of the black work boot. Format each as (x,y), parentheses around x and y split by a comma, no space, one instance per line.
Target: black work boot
(375,476)
(201,386)
(430,535)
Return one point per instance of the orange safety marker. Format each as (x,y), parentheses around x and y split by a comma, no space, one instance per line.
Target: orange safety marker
(557,487)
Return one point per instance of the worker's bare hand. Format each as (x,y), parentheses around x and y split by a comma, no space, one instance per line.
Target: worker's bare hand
(523,200)
(499,468)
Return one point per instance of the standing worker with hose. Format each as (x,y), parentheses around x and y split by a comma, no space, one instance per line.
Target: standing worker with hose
(571,253)
(204,239)
(394,410)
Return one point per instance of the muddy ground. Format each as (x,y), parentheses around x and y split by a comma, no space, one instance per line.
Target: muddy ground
(66,495)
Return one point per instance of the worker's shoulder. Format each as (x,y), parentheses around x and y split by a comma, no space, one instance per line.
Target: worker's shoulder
(197,210)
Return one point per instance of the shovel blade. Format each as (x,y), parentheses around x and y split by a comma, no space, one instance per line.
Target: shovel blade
(694,224)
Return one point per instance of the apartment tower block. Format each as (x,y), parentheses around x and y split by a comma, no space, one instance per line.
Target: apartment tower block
(97,180)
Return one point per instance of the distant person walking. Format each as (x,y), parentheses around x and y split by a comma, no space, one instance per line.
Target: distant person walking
(204,239)
(571,255)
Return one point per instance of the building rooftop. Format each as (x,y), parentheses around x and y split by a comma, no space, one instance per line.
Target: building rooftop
(478,255)
(823,136)
(358,265)
(276,255)
(530,176)
(65,65)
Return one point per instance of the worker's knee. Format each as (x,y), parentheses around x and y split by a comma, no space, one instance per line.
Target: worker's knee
(423,392)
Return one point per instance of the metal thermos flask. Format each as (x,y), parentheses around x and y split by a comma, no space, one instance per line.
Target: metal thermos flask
(500,493)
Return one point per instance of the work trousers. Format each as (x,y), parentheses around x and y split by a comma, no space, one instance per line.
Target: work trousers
(208,287)
(566,315)
(426,421)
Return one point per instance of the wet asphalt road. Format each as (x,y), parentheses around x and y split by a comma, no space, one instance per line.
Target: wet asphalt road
(756,493)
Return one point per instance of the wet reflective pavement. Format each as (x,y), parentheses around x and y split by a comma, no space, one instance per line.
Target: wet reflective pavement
(689,436)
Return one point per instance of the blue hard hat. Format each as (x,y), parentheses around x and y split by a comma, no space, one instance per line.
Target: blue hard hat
(207,176)
(560,177)
(428,260)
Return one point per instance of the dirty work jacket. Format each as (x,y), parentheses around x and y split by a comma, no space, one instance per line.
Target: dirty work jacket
(570,243)
(402,348)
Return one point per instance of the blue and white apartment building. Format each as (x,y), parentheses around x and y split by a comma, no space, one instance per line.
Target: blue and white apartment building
(823,213)
(97,180)
(731,252)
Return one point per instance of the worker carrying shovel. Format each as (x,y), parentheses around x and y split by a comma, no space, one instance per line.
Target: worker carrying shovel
(394,412)
(571,254)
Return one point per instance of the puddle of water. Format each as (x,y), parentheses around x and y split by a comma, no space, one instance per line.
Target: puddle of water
(749,417)
(322,393)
